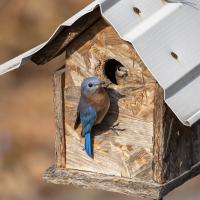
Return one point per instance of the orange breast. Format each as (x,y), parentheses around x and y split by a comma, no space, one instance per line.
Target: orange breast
(101,102)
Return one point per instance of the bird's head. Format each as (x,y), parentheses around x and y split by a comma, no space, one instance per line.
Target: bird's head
(121,72)
(91,85)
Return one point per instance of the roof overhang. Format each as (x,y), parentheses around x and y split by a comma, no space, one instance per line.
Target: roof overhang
(166,37)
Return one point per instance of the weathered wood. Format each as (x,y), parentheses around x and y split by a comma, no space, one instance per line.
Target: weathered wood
(182,178)
(176,147)
(158,138)
(132,187)
(129,154)
(60,145)
(59,43)
(183,150)
(90,180)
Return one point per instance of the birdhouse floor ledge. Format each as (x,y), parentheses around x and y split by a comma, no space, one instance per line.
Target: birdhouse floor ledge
(131,187)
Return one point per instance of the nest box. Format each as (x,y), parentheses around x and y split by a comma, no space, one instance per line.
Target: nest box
(153,153)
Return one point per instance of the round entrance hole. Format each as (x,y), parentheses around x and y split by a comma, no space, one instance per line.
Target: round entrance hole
(112,68)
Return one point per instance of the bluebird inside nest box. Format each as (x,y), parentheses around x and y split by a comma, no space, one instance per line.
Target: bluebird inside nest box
(153,154)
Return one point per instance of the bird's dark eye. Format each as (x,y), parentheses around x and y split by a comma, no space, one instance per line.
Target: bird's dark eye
(90,84)
(119,68)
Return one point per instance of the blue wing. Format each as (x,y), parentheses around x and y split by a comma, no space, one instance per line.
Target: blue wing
(88,117)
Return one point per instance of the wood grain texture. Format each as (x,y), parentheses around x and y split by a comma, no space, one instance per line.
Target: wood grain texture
(131,187)
(60,145)
(90,180)
(59,43)
(118,155)
(128,154)
(176,147)
(158,138)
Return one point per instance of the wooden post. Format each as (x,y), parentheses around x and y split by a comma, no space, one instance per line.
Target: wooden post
(60,147)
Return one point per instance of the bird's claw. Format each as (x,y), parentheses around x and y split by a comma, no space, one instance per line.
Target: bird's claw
(115,125)
(116,130)
(107,85)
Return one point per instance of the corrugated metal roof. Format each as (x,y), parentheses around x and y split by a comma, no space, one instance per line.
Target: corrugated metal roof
(165,35)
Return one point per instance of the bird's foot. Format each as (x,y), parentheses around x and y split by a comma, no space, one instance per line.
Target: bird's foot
(108,84)
(116,130)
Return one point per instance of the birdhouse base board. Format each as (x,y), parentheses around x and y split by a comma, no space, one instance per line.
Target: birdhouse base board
(131,187)
(90,180)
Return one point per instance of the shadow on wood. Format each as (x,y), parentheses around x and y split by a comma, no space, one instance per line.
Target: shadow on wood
(112,116)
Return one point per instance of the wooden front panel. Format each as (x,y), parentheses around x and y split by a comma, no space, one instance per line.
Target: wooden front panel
(128,154)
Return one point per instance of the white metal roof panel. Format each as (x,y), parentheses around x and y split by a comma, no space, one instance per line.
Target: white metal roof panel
(160,30)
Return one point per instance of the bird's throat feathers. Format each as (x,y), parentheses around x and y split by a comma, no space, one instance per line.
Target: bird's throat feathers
(90,96)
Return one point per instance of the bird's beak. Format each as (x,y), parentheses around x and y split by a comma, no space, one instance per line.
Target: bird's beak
(101,83)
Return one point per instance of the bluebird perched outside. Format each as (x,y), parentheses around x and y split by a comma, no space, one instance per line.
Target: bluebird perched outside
(93,105)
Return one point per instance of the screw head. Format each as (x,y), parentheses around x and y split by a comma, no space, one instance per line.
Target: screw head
(136,10)
(174,55)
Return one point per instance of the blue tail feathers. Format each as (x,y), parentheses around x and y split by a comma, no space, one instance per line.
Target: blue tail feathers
(88,144)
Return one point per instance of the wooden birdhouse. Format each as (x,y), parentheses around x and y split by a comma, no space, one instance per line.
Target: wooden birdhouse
(151,152)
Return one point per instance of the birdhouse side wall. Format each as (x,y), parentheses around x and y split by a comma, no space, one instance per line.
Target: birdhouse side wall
(176,147)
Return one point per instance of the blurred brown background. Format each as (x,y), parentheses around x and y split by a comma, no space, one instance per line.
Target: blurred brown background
(26,107)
